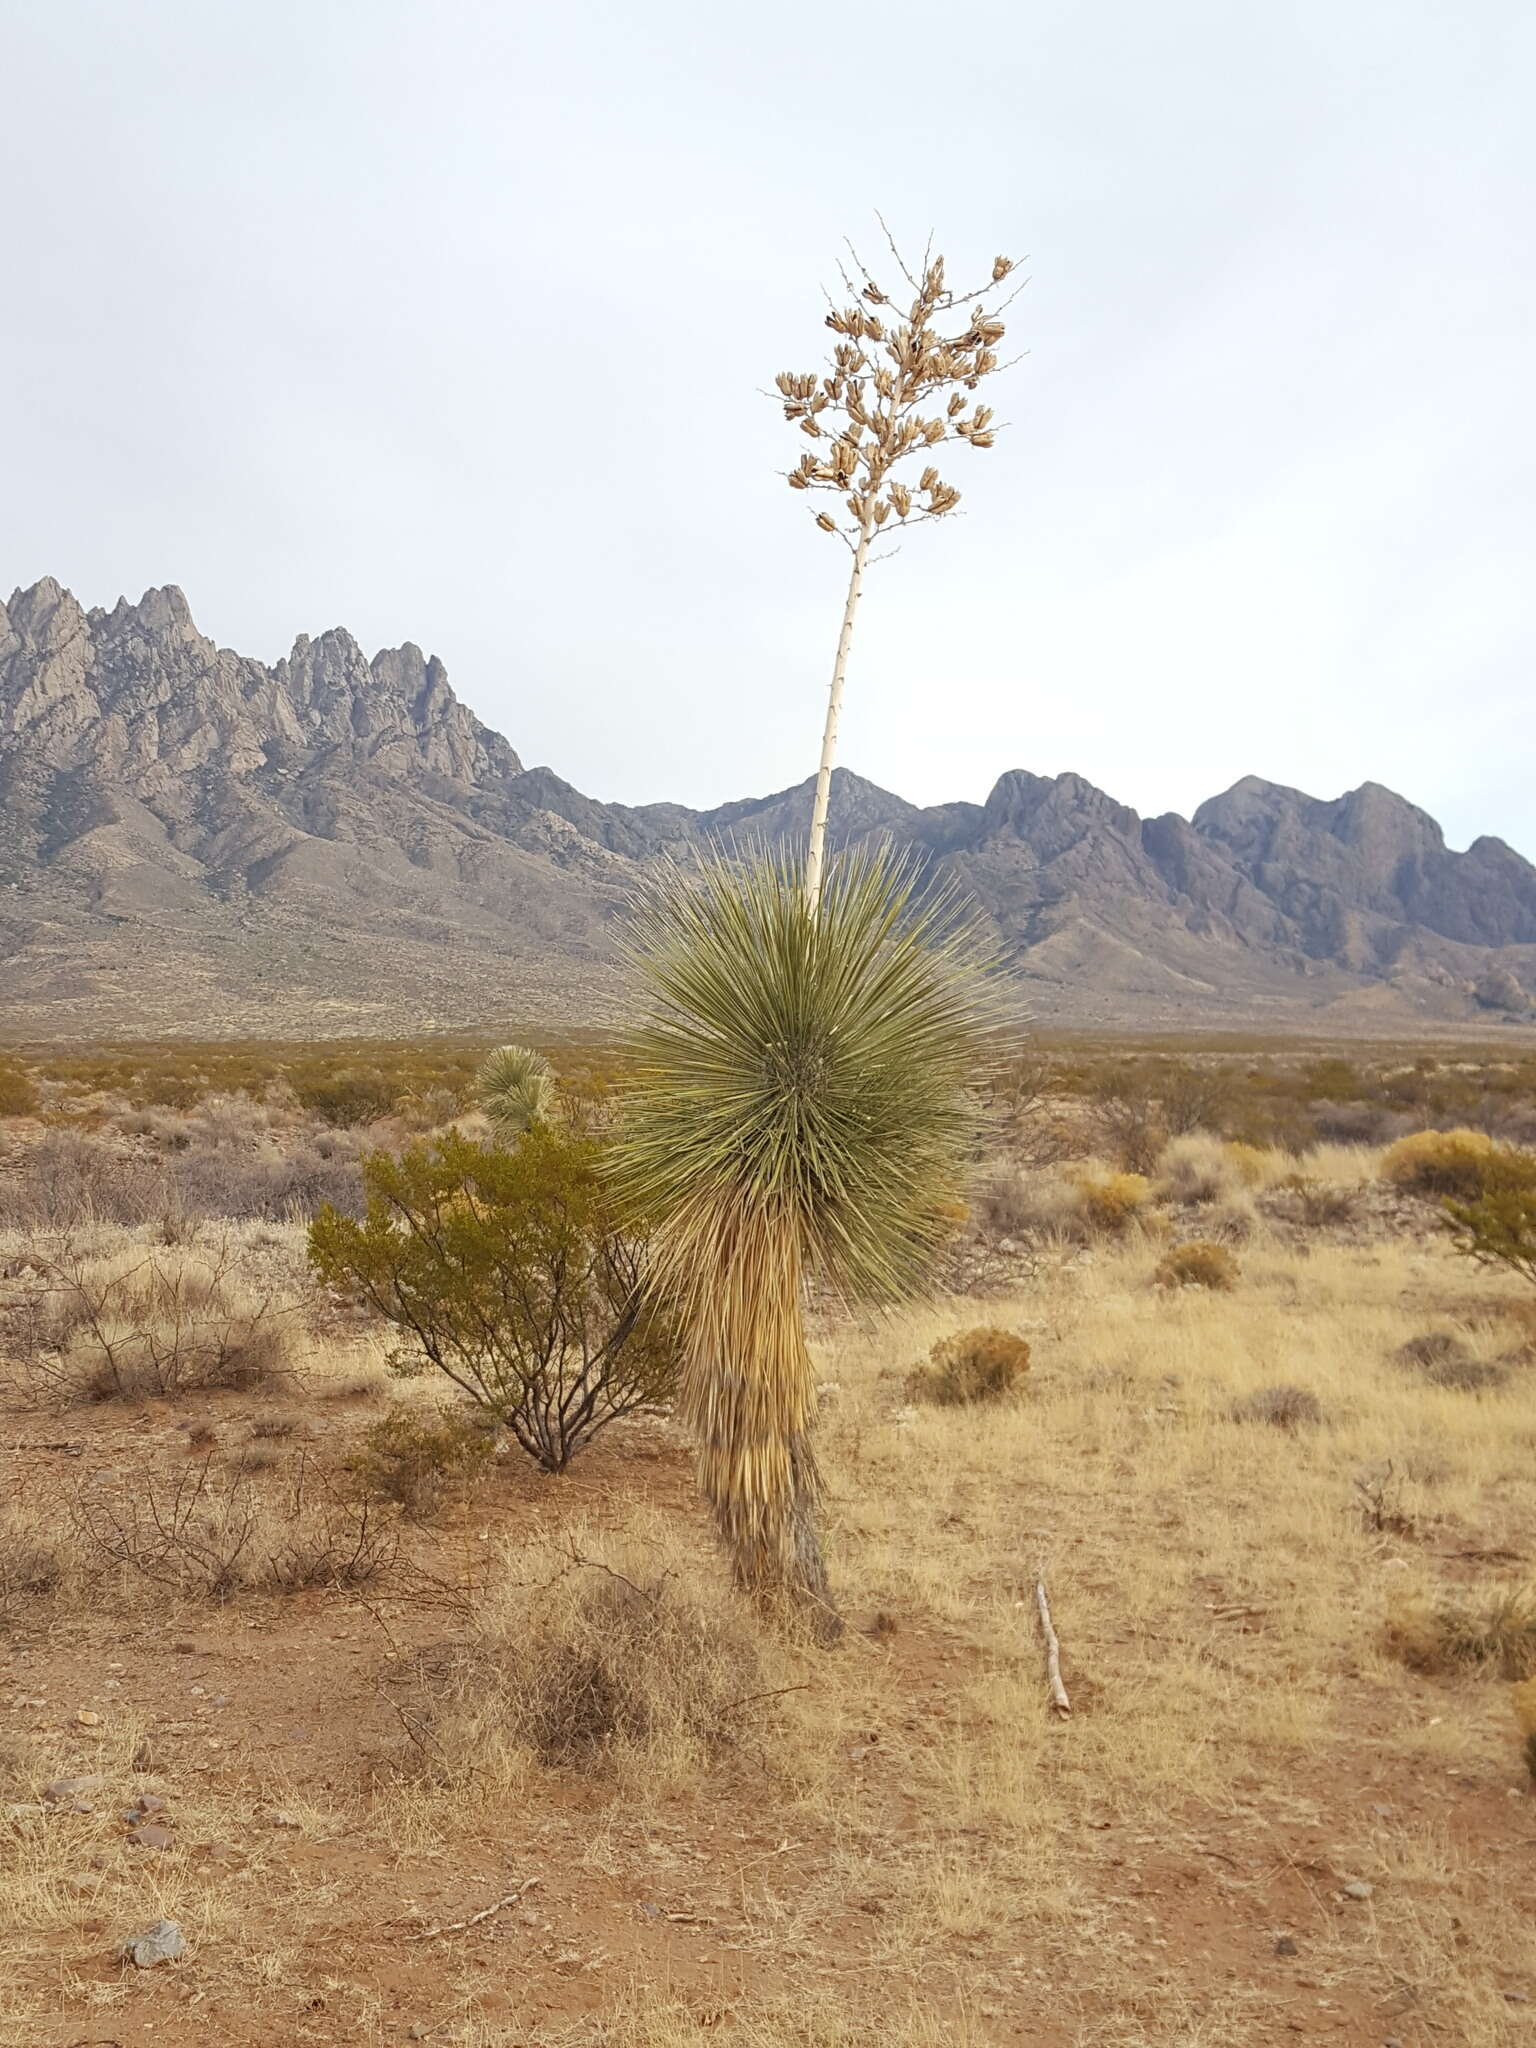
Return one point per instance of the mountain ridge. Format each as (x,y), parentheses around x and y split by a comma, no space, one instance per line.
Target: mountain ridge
(193,839)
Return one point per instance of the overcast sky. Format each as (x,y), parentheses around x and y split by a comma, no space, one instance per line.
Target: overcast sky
(449,323)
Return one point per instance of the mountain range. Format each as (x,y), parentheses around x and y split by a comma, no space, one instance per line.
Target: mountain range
(194,842)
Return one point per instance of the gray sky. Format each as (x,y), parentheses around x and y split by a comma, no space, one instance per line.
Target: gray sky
(448,323)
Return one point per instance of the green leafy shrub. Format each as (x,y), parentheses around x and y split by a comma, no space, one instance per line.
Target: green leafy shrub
(508,1272)
(984,1364)
(419,1460)
(1498,1226)
(1197,1264)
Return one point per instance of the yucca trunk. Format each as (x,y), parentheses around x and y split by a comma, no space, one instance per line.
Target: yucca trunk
(749,1396)
(816,856)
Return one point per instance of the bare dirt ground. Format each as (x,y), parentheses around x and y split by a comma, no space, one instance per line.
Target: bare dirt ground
(1257,1824)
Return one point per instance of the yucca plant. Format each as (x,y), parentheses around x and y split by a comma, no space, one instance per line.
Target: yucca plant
(516,1089)
(898,385)
(796,1111)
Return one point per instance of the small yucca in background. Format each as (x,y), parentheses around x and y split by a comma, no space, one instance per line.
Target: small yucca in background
(797,1110)
(516,1088)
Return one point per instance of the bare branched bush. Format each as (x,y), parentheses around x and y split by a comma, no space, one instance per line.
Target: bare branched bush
(215,1534)
(160,1321)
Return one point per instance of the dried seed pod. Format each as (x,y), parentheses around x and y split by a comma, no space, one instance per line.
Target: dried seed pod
(798,480)
(928,479)
(901,498)
(956,404)
(827,525)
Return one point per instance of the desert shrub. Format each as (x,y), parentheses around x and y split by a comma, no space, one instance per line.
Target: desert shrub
(1023,1206)
(1130,1122)
(344,1096)
(217,1533)
(1523,1700)
(516,1089)
(970,1366)
(1253,1165)
(67,1179)
(589,1665)
(37,1561)
(269,1182)
(420,1459)
(1454,1631)
(160,1321)
(1110,1202)
(1458,1162)
(1196,1169)
(1283,1407)
(508,1272)
(1231,1221)
(18,1095)
(1319,1204)
(1498,1227)
(1197,1264)
(1443,1358)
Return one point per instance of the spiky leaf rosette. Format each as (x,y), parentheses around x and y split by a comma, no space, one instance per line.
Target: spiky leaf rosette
(797,1105)
(516,1088)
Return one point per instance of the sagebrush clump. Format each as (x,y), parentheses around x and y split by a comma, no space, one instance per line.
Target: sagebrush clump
(1197,1264)
(1282,1407)
(983,1364)
(1457,1162)
(1111,1202)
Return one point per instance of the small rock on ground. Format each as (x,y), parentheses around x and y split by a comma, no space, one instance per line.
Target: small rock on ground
(162,1943)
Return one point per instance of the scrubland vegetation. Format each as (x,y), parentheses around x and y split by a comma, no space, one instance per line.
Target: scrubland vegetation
(422,1724)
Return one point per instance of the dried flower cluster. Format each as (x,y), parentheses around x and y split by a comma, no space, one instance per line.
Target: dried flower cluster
(883,399)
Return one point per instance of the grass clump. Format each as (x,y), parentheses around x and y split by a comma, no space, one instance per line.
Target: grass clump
(1282,1407)
(616,1663)
(422,1460)
(1197,1264)
(36,1564)
(1446,1360)
(1449,1632)
(972,1366)
(1197,1169)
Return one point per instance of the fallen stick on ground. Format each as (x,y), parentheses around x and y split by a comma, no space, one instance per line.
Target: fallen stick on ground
(1059,1698)
(458,1926)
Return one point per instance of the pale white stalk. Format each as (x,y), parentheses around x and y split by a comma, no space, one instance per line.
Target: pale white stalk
(815,858)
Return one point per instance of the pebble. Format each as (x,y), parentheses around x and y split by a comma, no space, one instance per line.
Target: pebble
(150,1836)
(1286,1946)
(1357,1888)
(87,1719)
(162,1943)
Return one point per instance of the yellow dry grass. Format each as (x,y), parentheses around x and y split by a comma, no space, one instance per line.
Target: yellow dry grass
(913,1849)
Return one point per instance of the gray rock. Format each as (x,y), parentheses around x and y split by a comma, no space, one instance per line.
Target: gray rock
(162,1943)
(1357,1888)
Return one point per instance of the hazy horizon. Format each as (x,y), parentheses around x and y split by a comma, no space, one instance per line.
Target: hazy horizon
(454,329)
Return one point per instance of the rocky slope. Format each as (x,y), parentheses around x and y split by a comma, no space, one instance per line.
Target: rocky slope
(191,841)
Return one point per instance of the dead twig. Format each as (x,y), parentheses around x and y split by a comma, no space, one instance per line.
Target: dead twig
(474,1919)
(1059,1698)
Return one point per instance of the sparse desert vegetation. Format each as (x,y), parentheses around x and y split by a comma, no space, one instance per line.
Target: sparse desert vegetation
(413,1740)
